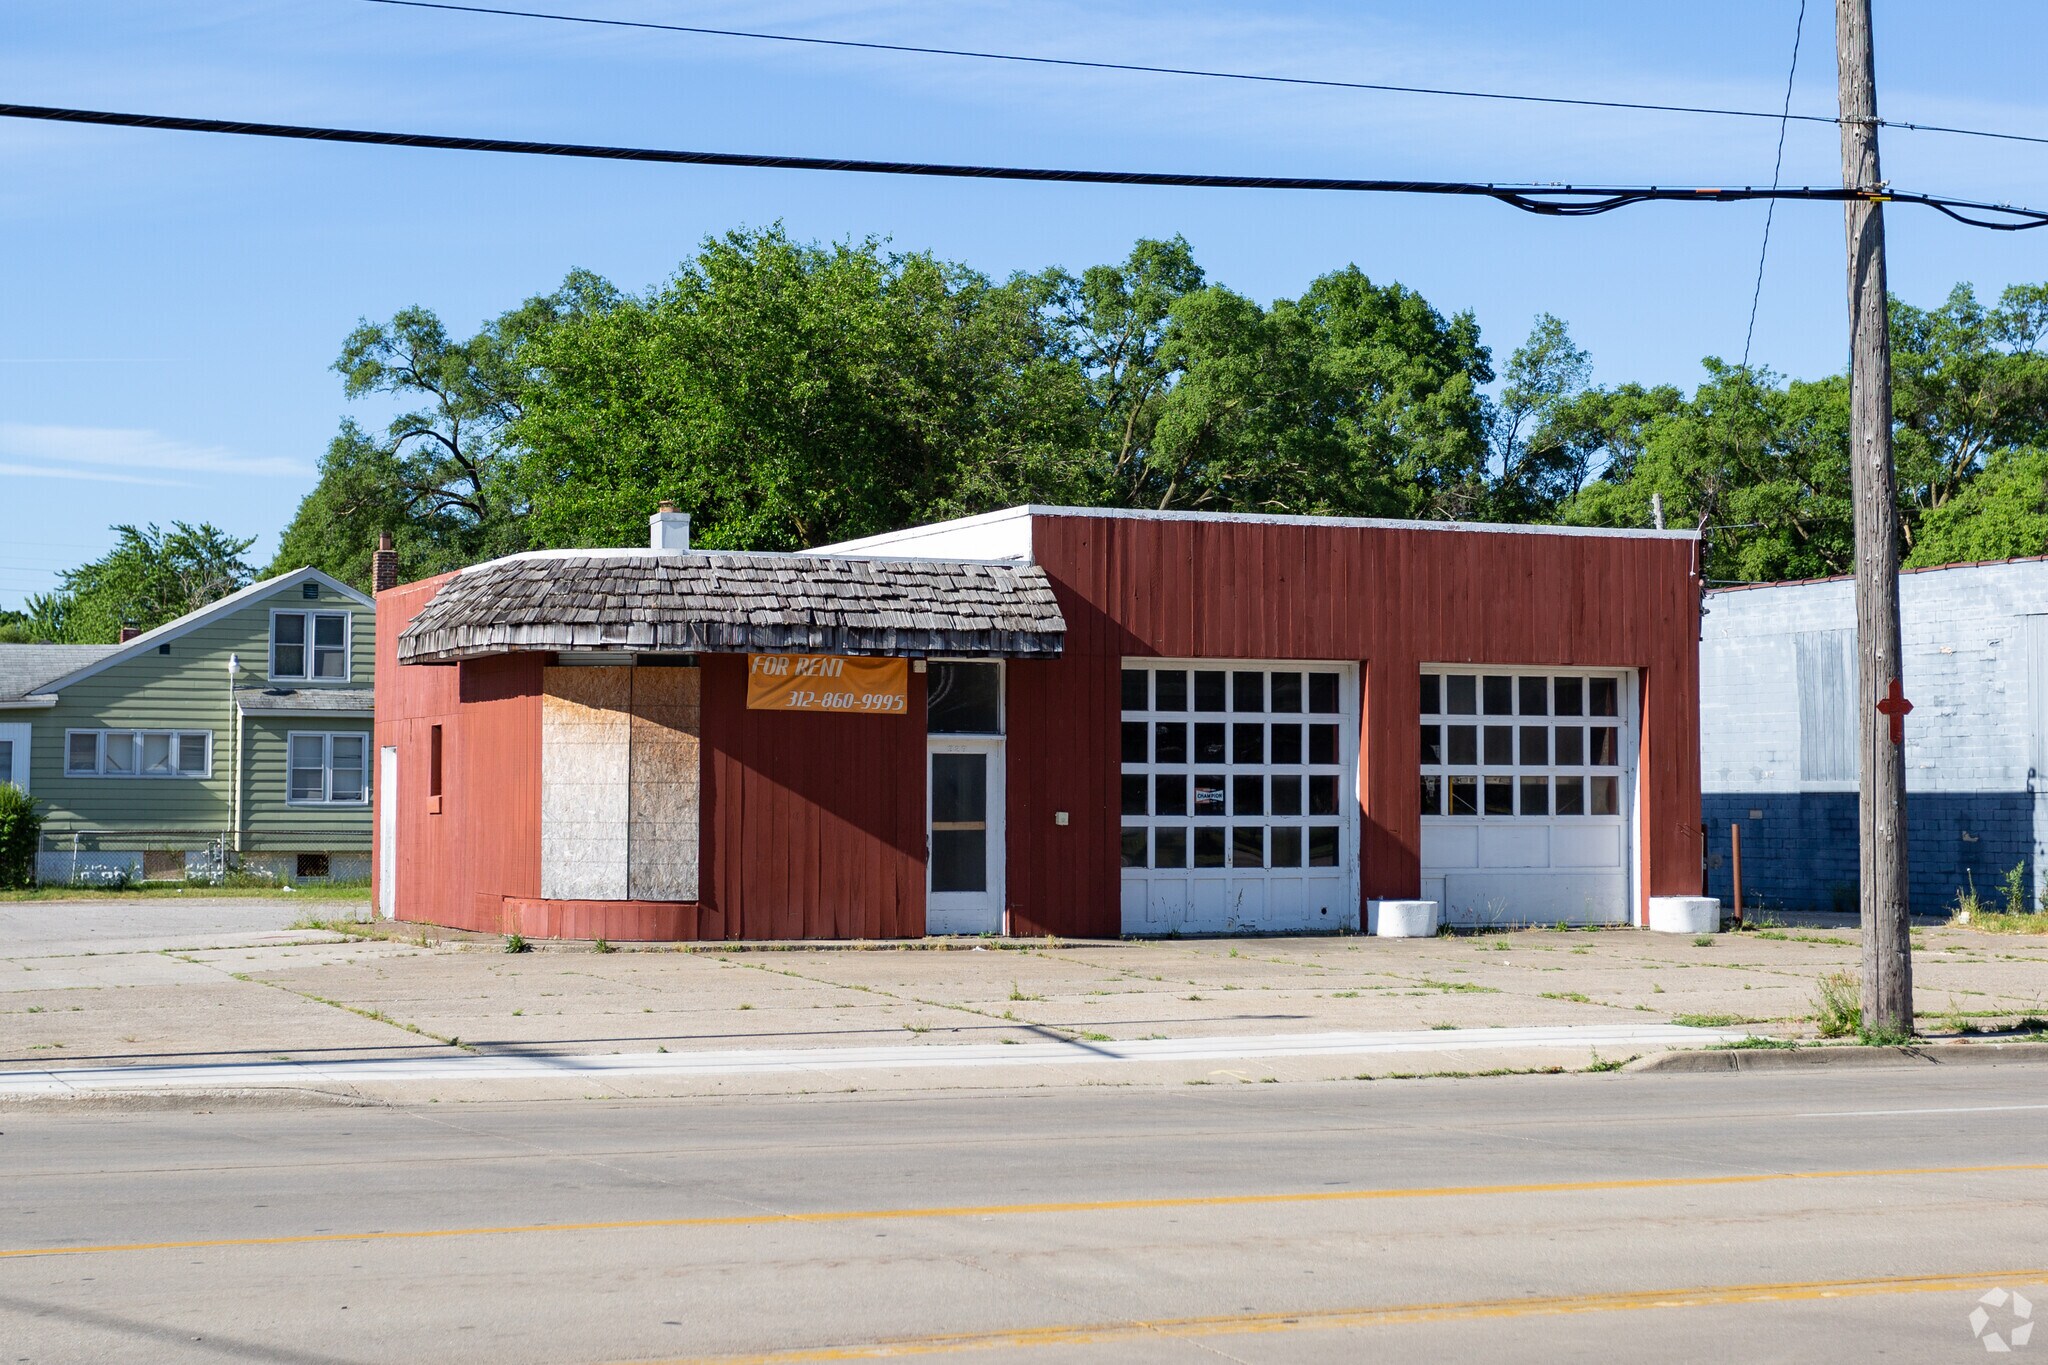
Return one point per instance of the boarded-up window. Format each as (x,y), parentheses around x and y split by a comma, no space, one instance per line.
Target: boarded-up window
(619,783)
(1827,710)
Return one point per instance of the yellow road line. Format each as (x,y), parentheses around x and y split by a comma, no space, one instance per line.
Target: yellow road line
(1249,1324)
(1212,1201)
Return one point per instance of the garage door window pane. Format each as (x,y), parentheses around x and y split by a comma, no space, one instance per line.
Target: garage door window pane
(1464,796)
(1248,846)
(1209,691)
(1535,697)
(1209,794)
(1170,794)
(1604,696)
(1208,846)
(1322,744)
(1500,746)
(1432,745)
(1134,741)
(1209,742)
(1322,693)
(1134,794)
(1461,694)
(1322,846)
(1170,848)
(1535,746)
(1287,691)
(1499,696)
(1322,795)
(1606,796)
(1247,691)
(1464,745)
(1286,846)
(1137,689)
(1170,690)
(1500,796)
(1432,689)
(1286,744)
(1247,795)
(1571,796)
(1248,743)
(1535,796)
(1134,847)
(1570,697)
(1287,795)
(1603,746)
(1432,794)
(1170,741)
(1571,746)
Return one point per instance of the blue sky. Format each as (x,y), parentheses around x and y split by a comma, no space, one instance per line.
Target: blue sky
(172,302)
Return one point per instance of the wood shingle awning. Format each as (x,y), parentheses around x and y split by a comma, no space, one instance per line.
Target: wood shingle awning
(699,602)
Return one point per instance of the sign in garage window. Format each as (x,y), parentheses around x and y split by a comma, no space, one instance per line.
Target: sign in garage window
(1231,768)
(1521,745)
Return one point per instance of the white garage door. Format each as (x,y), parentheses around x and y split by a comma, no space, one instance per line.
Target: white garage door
(1528,778)
(1239,784)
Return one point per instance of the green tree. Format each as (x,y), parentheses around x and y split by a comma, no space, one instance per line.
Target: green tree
(2001,513)
(150,576)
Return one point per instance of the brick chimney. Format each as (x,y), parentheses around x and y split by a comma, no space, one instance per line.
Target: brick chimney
(129,632)
(668,529)
(383,565)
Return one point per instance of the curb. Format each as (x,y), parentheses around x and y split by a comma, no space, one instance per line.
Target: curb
(1851,1056)
(182,1101)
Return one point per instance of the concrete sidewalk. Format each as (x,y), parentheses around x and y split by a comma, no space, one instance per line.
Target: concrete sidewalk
(254,991)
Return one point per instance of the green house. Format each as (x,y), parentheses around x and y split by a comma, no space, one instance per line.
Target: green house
(237,736)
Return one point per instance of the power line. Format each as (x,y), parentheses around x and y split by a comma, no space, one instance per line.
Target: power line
(1200,72)
(1552,200)
(1137,67)
(1777,167)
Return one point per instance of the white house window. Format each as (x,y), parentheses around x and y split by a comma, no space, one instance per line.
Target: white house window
(138,753)
(328,769)
(310,645)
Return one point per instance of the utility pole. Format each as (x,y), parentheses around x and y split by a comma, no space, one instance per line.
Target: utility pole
(1881,791)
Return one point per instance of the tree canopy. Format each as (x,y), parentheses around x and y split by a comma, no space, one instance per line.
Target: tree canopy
(150,576)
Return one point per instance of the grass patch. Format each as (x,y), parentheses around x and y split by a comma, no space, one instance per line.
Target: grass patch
(600,945)
(1707,1020)
(1461,987)
(1837,1006)
(516,943)
(1753,1043)
(1576,997)
(1999,922)
(354,928)
(1703,941)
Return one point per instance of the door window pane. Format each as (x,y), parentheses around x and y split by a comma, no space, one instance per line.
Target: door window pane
(1209,742)
(1137,690)
(1535,696)
(1248,846)
(1170,741)
(1134,741)
(1606,796)
(1571,746)
(959,789)
(1209,794)
(1286,846)
(1432,689)
(1248,794)
(1464,745)
(1287,691)
(1170,690)
(1247,691)
(1535,746)
(1603,694)
(1287,795)
(1209,691)
(1322,744)
(1322,693)
(964,699)
(1209,846)
(1464,796)
(1134,847)
(1500,795)
(1570,695)
(1135,793)
(1322,795)
(959,860)
(1461,694)
(1322,846)
(1500,745)
(1571,796)
(1248,743)
(1535,796)
(1170,794)
(1432,794)
(1286,744)
(1170,848)
(1499,695)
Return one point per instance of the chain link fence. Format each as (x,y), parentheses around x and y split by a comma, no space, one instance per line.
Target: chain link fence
(110,859)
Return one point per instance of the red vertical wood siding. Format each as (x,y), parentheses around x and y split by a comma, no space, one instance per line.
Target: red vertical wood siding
(432,874)
(1388,599)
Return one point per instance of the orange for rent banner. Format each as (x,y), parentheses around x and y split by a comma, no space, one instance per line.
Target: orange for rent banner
(828,682)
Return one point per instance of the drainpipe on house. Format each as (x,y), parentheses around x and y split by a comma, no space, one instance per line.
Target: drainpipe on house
(235,764)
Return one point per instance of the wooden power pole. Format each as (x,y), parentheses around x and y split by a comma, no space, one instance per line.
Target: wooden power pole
(1881,792)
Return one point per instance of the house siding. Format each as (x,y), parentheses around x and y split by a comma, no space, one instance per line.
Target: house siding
(188,689)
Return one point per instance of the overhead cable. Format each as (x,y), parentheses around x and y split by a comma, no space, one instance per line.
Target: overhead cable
(1553,200)
(1777,167)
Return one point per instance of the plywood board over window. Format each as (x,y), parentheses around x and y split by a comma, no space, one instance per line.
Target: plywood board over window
(620,783)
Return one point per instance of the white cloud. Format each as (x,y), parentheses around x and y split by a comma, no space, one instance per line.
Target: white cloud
(105,454)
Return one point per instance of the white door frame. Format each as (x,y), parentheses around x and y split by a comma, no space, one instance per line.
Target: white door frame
(387,831)
(19,732)
(969,912)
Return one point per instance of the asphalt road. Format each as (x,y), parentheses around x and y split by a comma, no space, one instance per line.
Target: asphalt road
(1838,1215)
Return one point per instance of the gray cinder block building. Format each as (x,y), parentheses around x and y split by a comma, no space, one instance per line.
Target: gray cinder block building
(1778,735)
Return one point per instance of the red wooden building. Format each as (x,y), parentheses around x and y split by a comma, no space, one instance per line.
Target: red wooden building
(1045,721)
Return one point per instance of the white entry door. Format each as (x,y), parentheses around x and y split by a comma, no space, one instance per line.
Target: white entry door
(1239,794)
(1528,781)
(387,831)
(964,814)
